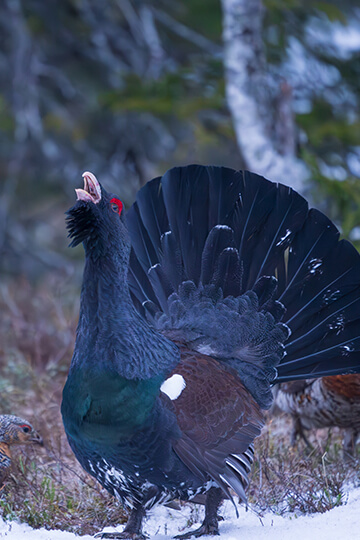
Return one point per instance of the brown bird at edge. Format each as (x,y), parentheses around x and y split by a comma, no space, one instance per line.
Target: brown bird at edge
(13,431)
(325,402)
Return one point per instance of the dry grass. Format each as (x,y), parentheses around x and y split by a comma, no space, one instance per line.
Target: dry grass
(47,487)
(286,479)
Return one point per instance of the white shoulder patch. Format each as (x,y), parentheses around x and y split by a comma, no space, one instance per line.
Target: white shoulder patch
(173,386)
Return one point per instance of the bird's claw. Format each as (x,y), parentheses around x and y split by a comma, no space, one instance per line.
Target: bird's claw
(121,535)
(207,529)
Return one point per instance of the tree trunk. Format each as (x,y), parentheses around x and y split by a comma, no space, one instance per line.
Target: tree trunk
(265,137)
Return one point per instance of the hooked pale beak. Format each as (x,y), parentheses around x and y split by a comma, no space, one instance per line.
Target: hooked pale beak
(36,438)
(91,191)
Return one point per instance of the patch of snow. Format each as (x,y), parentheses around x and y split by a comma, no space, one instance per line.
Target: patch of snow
(173,386)
(163,524)
(16,531)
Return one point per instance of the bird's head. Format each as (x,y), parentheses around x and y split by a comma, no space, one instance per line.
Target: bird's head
(97,219)
(16,430)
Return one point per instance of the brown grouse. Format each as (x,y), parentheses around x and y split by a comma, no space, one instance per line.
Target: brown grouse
(13,431)
(326,402)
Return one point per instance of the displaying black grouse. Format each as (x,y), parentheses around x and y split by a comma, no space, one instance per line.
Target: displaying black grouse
(186,304)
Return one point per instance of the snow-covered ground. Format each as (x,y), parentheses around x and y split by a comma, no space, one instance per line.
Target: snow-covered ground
(162,524)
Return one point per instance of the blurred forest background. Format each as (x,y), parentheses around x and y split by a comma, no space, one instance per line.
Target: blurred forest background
(127,89)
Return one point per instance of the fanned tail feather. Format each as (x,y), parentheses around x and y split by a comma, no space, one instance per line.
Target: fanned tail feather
(237,232)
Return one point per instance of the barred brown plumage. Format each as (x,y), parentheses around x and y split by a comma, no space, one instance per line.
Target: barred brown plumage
(325,402)
(13,431)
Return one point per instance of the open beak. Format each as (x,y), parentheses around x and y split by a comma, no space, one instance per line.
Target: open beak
(91,191)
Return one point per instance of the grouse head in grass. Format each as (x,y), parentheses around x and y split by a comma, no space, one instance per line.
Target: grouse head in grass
(14,431)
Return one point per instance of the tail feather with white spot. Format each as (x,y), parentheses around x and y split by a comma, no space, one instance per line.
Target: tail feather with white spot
(205,239)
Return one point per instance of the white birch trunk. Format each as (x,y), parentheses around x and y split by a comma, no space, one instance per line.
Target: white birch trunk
(250,98)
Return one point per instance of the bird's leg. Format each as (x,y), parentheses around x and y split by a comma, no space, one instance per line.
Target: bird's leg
(349,444)
(328,440)
(209,526)
(298,430)
(132,529)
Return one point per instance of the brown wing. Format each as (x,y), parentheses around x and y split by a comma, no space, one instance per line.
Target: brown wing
(347,386)
(219,420)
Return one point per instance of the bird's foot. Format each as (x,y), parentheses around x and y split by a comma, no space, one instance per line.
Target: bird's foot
(210,529)
(121,535)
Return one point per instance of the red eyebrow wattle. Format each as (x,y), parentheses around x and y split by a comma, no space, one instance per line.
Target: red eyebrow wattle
(119,204)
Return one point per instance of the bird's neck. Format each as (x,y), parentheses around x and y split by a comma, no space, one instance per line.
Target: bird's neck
(105,292)
(111,331)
